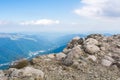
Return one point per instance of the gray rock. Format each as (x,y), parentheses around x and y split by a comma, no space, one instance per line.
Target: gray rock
(109,58)
(102,48)
(105,46)
(98,37)
(91,49)
(60,56)
(117,64)
(75,63)
(26,72)
(3,78)
(118,79)
(66,51)
(92,57)
(52,56)
(91,41)
(76,52)
(75,42)
(106,62)
(2,75)
(76,38)
(118,45)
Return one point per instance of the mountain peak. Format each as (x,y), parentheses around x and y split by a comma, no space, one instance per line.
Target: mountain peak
(86,60)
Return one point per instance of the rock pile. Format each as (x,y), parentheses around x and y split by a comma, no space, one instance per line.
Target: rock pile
(96,47)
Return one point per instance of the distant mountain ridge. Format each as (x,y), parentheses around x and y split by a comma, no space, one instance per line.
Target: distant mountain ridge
(14,46)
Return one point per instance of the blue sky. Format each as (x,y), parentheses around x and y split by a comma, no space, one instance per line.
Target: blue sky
(74,16)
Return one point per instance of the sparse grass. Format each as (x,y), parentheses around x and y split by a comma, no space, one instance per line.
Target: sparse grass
(20,64)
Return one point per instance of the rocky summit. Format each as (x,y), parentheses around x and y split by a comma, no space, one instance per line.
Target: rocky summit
(95,57)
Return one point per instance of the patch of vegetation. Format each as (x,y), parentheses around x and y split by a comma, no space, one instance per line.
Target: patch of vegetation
(20,64)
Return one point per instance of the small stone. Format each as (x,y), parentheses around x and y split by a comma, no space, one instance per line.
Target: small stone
(66,50)
(76,38)
(102,48)
(35,61)
(106,62)
(47,59)
(109,58)
(51,56)
(92,57)
(118,45)
(75,64)
(118,79)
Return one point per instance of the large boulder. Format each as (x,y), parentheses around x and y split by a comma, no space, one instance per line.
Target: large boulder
(75,53)
(27,72)
(91,49)
(91,41)
(90,46)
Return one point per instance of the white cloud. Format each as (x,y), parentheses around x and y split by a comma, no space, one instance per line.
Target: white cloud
(41,22)
(99,9)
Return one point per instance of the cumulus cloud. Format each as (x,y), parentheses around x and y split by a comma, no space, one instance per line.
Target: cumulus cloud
(99,8)
(41,22)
